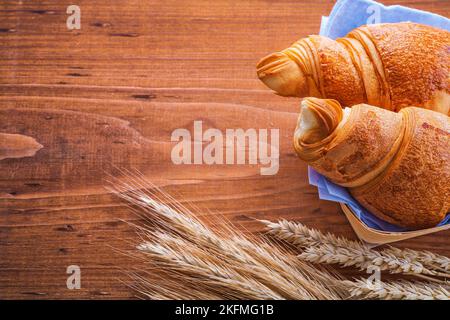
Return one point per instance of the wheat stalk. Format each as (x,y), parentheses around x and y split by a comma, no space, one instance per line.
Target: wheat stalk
(327,248)
(187,260)
(398,290)
(193,261)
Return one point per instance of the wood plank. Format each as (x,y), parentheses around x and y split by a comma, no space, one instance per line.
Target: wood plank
(109,96)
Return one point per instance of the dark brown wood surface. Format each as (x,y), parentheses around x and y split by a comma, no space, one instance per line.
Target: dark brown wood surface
(76,105)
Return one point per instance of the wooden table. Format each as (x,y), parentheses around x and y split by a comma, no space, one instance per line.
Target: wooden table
(109,96)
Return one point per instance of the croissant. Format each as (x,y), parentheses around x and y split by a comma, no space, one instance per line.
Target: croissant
(397,165)
(391,65)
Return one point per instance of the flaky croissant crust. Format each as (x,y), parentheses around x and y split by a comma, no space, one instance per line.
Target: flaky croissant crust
(387,65)
(397,165)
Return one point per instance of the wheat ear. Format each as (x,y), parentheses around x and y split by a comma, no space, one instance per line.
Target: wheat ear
(194,261)
(210,272)
(327,248)
(433,261)
(398,290)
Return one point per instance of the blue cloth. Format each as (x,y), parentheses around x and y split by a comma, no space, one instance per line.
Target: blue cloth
(350,14)
(346,16)
(332,192)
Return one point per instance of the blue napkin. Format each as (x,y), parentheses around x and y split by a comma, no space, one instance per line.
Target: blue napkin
(350,14)
(332,192)
(346,16)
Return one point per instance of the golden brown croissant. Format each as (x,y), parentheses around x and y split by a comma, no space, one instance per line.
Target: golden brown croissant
(397,165)
(392,65)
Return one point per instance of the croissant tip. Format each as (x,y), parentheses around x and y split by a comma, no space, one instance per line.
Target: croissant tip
(278,72)
(269,59)
(318,118)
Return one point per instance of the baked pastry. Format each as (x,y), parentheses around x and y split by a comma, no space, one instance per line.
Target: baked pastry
(397,165)
(391,65)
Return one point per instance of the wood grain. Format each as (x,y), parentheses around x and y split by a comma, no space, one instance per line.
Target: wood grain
(108,96)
